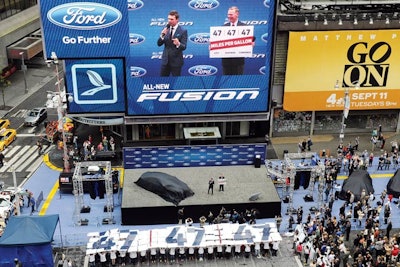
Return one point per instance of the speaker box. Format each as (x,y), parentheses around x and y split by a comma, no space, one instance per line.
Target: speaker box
(85,209)
(84,222)
(308,198)
(105,208)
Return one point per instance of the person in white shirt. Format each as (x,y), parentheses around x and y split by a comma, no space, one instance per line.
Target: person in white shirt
(191,253)
(92,260)
(228,251)
(163,257)
(153,255)
(103,258)
(172,255)
(133,256)
(201,253)
(182,254)
(113,257)
(122,257)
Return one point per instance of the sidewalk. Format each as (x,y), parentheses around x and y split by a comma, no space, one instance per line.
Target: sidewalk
(15,94)
(330,143)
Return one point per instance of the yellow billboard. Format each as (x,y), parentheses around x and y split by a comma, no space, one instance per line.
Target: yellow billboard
(322,65)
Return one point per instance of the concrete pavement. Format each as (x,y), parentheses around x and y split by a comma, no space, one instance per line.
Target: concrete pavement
(36,77)
(330,143)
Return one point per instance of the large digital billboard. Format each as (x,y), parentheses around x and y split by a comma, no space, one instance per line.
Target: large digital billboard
(321,66)
(131,30)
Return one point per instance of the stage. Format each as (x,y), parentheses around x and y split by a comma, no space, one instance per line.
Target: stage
(140,206)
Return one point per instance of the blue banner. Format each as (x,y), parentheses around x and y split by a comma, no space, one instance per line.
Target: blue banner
(192,156)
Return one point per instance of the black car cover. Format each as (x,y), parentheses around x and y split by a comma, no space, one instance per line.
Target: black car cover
(393,186)
(356,182)
(166,186)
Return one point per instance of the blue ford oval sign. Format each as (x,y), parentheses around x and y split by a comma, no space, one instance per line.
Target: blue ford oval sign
(84,16)
(203,70)
(137,72)
(203,5)
(200,38)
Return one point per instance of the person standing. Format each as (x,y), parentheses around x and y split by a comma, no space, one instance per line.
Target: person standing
(174,38)
(32,204)
(112,143)
(181,215)
(1,159)
(211,186)
(278,221)
(221,183)
(388,229)
(233,66)
(356,143)
(29,195)
(309,143)
(75,141)
(40,146)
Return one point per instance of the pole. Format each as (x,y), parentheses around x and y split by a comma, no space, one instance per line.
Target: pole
(14,176)
(61,115)
(24,68)
(346,109)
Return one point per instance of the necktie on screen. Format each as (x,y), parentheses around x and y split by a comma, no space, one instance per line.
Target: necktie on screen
(172,31)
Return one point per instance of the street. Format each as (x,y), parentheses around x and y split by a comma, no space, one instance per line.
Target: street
(22,157)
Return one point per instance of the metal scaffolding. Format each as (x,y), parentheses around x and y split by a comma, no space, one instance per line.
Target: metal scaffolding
(101,171)
(288,171)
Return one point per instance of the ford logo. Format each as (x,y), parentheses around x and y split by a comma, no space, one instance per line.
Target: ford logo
(262,70)
(200,38)
(265,37)
(84,16)
(203,4)
(203,70)
(135,4)
(137,72)
(135,39)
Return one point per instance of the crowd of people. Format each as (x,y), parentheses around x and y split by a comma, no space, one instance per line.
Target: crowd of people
(18,200)
(325,238)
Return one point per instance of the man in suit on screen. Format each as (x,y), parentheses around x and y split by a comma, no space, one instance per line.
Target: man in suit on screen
(233,66)
(174,38)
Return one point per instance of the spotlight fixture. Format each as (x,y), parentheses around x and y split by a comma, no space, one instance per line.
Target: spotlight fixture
(355,21)
(395,14)
(387,20)
(371,21)
(340,21)
(325,21)
(379,14)
(306,22)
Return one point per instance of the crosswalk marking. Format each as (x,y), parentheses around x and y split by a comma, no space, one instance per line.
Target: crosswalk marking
(9,153)
(26,135)
(23,158)
(27,158)
(34,165)
(14,159)
(20,113)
